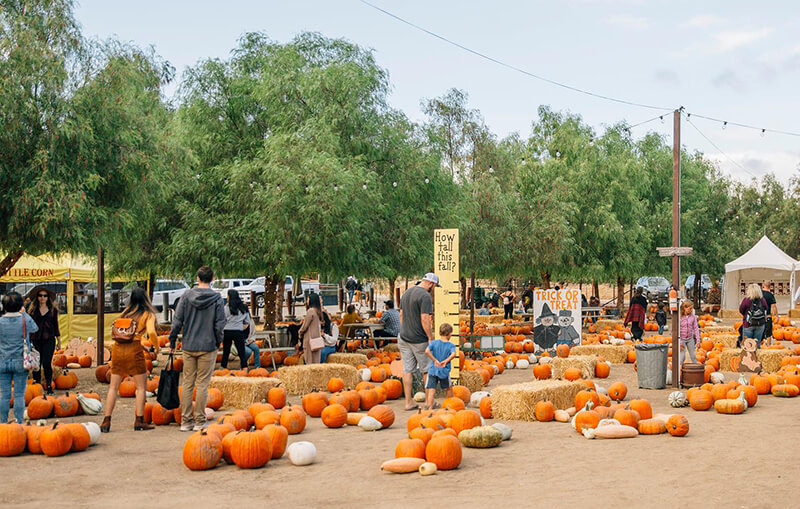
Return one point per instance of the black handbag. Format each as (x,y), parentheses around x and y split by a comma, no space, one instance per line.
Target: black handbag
(168,383)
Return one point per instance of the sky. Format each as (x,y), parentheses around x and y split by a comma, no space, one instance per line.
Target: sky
(731,60)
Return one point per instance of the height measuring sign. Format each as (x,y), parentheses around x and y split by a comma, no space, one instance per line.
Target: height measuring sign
(445,265)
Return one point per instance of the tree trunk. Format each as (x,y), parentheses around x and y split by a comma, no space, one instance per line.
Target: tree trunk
(546,280)
(697,291)
(620,295)
(10,260)
(270,301)
(151,283)
(391,290)
(280,302)
(406,282)
(464,301)
(595,289)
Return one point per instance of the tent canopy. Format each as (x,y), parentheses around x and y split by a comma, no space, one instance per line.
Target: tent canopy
(764,255)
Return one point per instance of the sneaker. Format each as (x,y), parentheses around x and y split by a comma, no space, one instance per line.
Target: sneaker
(187,427)
(200,427)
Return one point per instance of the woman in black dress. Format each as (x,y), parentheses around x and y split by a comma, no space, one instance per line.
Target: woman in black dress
(48,338)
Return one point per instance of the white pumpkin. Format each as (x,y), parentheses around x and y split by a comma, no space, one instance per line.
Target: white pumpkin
(605,341)
(666,327)
(301,453)
(504,429)
(365,374)
(532,359)
(155,364)
(628,335)
(509,364)
(545,360)
(717,378)
(467,345)
(427,468)
(419,397)
(677,399)
(495,368)
(523,364)
(368,423)
(74,365)
(601,390)
(476,397)
(94,431)
(209,413)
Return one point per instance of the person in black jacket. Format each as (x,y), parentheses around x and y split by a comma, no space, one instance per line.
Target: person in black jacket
(661,318)
(48,338)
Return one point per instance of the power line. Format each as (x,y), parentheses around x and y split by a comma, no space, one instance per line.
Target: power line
(657,117)
(746,126)
(719,149)
(512,67)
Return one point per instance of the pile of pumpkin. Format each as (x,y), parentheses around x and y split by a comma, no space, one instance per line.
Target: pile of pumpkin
(71,361)
(156,414)
(735,397)
(40,406)
(435,437)
(51,440)
(599,415)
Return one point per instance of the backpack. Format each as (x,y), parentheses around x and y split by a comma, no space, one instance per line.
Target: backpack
(757,315)
(123,330)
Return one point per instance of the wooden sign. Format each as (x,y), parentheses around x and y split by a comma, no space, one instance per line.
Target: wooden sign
(674,251)
(446,297)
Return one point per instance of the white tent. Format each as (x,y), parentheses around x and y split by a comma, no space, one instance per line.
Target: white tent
(763,262)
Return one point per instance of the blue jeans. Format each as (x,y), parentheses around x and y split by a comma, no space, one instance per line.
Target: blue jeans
(11,369)
(660,330)
(325,352)
(253,348)
(350,296)
(754,332)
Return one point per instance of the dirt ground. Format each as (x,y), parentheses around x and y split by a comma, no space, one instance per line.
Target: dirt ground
(543,465)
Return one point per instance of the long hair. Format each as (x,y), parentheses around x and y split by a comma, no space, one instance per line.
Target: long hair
(754,292)
(34,304)
(235,303)
(139,304)
(314,302)
(687,308)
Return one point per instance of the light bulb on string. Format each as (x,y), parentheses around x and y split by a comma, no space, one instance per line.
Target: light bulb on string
(491,169)
(335,187)
(251,185)
(307,187)
(394,184)
(724,124)
(763,132)
(427,180)
(364,186)
(278,187)
(661,118)
(523,161)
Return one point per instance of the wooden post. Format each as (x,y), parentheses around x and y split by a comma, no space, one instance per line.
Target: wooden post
(290,302)
(372,298)
(341,298)
(101,301)
(397,296)
(165,305)
(253,305)
(676,237)
(472,307)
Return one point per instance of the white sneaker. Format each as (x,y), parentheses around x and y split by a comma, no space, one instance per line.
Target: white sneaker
(200,427)
(187,427)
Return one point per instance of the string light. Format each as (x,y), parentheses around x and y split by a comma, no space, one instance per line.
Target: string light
(725,124)
(523,161)
(278,187)
(335,187)
(394,184)
(364,186)
(491,170)
(427,180)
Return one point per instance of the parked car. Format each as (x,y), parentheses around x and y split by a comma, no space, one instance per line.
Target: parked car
(656,288)
(223,285)
(257,287)
(172,288)
(705,286)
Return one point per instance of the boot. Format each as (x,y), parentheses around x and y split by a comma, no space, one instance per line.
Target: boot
(139,424)
(106,426)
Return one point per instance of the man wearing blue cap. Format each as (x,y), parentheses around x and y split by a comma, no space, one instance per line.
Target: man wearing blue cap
(416,330)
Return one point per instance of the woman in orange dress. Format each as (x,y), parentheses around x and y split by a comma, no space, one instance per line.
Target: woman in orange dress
(128,359)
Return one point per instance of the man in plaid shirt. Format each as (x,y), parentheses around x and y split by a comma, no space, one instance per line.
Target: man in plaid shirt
(391,324)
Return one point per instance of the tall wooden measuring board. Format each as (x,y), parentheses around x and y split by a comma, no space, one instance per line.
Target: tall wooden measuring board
(445,265)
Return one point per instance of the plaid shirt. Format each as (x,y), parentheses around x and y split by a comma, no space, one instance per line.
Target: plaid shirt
(635,315)
(391,321)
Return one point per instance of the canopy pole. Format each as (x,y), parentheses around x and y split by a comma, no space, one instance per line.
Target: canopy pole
(101,298)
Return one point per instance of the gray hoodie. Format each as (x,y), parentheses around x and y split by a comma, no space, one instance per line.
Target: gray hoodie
(201,315)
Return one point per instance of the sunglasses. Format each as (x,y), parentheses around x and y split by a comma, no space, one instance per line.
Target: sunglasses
(43,295)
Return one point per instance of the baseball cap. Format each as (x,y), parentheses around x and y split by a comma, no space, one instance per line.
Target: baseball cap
(433,278)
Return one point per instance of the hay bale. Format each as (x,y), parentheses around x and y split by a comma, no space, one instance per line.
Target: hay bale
(304,379)
(615,354)
(583,362)
(240,391)
(516,402)
(770,359)
(351,359)
(728,340)
(718,329)
(472,380)
(391,347)
(606,322)
(366,352)
(729,313)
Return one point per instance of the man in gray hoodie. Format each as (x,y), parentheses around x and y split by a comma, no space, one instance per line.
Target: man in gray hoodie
(201,315)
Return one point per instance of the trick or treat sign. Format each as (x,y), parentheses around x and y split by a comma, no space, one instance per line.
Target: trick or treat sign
(557,318)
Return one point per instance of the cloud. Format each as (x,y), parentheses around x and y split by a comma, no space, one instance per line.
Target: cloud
(703,21)
(783,164)
(733,39)
(629,22)
(728,79)
(667,76)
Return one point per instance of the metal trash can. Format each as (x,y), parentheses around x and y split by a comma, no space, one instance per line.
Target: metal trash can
(651,365)
(281,336)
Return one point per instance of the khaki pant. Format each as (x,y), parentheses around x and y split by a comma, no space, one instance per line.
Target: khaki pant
(197,369)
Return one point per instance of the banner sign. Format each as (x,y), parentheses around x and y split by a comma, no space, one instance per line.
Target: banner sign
(557,315)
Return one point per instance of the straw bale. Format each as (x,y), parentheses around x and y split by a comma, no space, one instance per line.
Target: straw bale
(241,391)
(729,313)
(606,322)
(472,380)
(366,352)
(728,340)
(304,379)
(516,402)
(351,359)
(391,347)
(615,354)
(718,329)
(583,362)
(770,359)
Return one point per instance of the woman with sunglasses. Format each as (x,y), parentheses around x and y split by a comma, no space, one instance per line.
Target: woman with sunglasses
(48,338)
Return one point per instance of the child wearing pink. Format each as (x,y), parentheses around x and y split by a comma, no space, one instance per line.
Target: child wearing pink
(688,333)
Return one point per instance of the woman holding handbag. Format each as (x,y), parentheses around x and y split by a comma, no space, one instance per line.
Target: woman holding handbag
(15,328)
(311,330)
(48,338)
(127,355)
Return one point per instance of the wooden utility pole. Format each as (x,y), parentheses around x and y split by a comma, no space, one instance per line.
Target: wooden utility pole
(676,237)
(101,301)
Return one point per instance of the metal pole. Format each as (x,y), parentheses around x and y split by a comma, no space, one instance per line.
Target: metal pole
(101,300)
(472,308)
(676,237)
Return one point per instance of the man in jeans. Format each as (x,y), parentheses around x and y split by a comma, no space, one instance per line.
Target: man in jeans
(201,315)
(416,330)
